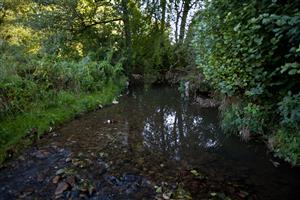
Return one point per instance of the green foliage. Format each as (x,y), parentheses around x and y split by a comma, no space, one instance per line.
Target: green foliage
(250,50)
(286,145)
(57,57)
(41,91)
(239,117)
(47,114)
(240,50)
(36,78)
(289,109)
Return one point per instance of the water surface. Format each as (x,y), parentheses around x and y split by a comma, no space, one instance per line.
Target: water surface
(151,141)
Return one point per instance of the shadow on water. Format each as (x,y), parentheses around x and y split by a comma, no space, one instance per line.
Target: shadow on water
(152,145)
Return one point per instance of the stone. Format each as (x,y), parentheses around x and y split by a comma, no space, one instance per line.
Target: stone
(115,102)
(40,177)
(61,187)
(60,171)
(41,154)
(71,180)
(56,179)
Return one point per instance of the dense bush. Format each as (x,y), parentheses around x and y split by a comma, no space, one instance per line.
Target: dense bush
(243,119)
(38,78)
(39,91)
(250,50)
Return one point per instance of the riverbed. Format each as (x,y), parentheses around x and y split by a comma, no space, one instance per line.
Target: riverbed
(151,144)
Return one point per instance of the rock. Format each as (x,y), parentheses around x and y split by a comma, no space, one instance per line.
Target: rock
(83,196)
(61,187)
(115,102)
(167,195)
(84,189)
(110,121)
(56,179)
(213,194)
(80,154)
(78,163)
(21,158)
(101,154)
(26,192)
(54,134)
(41,154)
(40,177)
(74,194)
(93,154)
(60,171)
(71,180)
(243,194)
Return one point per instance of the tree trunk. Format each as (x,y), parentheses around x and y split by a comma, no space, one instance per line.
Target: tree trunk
(186,9)
(178,13)
(163,14)
(128,43)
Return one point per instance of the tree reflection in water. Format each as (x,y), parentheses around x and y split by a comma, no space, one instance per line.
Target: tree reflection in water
(175,128)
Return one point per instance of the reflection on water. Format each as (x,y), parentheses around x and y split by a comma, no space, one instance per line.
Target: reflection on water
(154,134)
(171,125)
(172,130)
(160,120)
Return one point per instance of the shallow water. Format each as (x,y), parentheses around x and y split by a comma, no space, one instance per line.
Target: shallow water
(150,145)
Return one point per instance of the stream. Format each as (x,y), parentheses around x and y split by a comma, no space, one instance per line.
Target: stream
(153,144)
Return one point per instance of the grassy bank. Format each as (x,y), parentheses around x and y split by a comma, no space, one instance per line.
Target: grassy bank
(40,91)
(16,132)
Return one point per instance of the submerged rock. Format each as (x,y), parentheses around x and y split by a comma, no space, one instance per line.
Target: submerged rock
(26,192)
(71,180)
(41,154)
(61,187)
(60,171)
(56,179)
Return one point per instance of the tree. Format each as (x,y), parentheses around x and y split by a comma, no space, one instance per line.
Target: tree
(128,42)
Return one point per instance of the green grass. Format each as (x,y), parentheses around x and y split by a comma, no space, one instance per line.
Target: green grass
(47,114)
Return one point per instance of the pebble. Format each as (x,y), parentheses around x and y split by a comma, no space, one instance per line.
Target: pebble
(62,186)
(71,180)
(55,179)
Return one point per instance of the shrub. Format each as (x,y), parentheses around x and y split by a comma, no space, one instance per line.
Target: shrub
(41,77)
(250,50)
(285,143)
(289,109)
(243,119)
